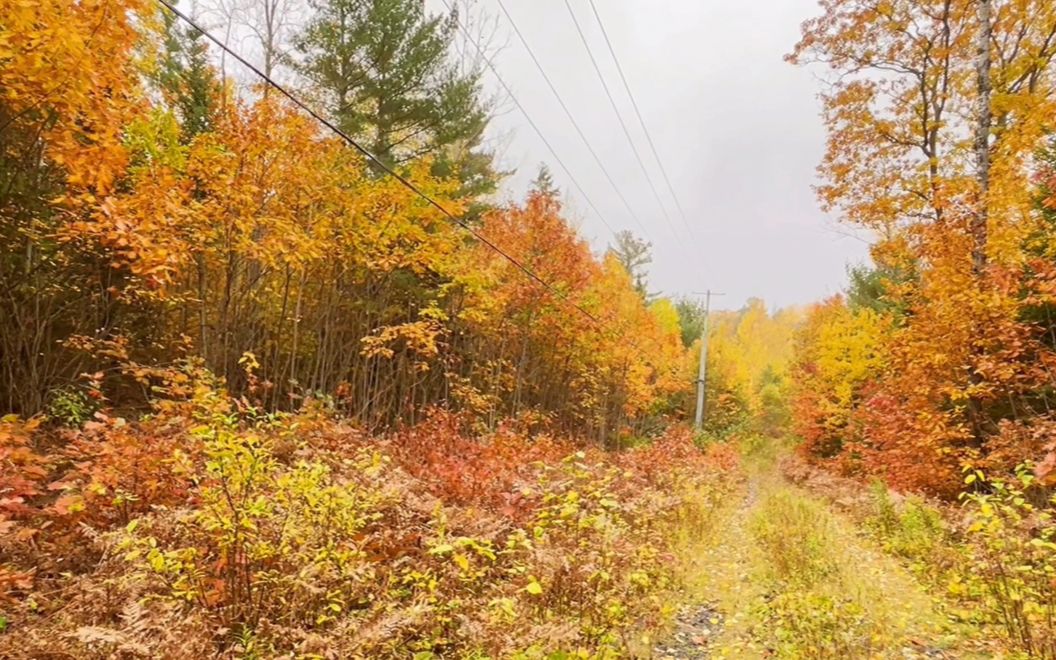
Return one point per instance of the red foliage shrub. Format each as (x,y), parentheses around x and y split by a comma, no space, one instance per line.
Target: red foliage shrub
(23,471)
(23,477)
(118,470)
(464,470)
(675,454)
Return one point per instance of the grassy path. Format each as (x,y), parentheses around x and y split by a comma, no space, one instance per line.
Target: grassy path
(785,576)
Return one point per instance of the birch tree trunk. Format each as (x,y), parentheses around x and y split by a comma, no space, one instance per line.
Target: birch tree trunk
(982,137)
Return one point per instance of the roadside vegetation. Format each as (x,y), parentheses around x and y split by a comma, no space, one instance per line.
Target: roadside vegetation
(279,387)
(211,526)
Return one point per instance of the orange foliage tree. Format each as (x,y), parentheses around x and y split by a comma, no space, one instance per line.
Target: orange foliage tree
(149,206)
(964,376)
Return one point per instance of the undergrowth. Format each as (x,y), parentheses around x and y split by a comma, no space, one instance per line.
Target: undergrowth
(209,528)
(821,593)
(991,560)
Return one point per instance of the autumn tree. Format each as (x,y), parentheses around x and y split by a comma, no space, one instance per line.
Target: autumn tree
(61,153)
(749,353)
(840,350)
(935,110)
(902,110)
(154,216)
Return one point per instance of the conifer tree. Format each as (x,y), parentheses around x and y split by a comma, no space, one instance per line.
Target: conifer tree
(185,77)
(385,70)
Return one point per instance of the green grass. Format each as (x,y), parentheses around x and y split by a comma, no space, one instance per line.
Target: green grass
(792,578)
(830,596)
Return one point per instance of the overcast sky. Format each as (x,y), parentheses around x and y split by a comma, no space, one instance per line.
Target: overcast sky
(738,130)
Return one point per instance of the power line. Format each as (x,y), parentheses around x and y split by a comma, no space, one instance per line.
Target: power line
(638,113)
(616,111)
(509,92)
(489,61)
(379,163)
(595,320)
(571,117)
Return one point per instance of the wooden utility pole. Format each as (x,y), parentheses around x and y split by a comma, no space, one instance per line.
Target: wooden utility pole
(702,376)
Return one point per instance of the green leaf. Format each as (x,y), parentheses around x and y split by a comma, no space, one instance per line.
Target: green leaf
(442,549)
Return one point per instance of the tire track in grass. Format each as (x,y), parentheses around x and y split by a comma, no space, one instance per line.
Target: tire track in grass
(785,576)
(718,582)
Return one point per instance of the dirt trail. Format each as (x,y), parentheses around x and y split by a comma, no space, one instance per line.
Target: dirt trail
(783,575)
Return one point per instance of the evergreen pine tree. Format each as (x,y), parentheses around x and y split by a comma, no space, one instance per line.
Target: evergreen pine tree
(385,71)
(186,78)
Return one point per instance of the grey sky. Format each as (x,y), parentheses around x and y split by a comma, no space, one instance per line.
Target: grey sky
(738,129)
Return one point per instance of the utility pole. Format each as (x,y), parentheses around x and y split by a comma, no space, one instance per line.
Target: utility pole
(702,376)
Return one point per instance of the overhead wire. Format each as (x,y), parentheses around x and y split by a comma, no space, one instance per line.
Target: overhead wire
(571,117)
(619,115)
(489,62)
(641,121)
(638,114)
(380,164)
(575,124)
(611,325)
(607,325)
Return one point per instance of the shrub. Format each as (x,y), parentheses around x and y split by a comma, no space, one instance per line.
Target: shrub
(1013,538)
(265,541)
(23,477)
(72,406)
(224,530)
(809,624)
(910,528)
